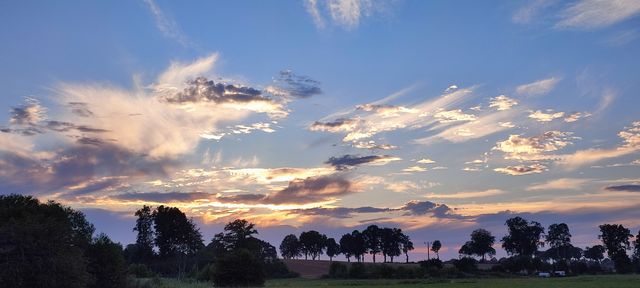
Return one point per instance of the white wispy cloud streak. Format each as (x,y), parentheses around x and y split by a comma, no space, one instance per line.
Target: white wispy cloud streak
(590,14)
(167,26)
(539,87)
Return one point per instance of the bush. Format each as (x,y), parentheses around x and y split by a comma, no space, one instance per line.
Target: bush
(358,271)
(239,268)
(276,269)
(466,264)
(140,271)
(207,273)
(437,263)
(106,263)
(338,270)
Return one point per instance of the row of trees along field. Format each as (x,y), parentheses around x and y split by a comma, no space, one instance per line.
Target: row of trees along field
(390,242)
(50,245)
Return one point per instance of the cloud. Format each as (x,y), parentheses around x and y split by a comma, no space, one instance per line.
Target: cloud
(545,117)
(371,145)
(29,113)
(164,197)
(522,169)
(402,186)
(384,110)
(426,161)
(575,116)
(534,148)
(485,125)
(626,188)
(538,88)
(348,161)
(417,208)
(344,13)
(590,14)
(291,85)
(527,12)
(467,194)
(312,189)
(167,26)
(502,102)
(453,116)
(414,169)
(335,126)
(560,184)
(631,144)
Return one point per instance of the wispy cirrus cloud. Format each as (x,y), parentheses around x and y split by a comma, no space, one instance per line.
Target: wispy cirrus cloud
(560,184)
(345,13)
(590,14)
(539,87)
(519,170)
(349,161)
(167,26)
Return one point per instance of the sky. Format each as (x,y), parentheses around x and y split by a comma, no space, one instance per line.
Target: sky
(437,117)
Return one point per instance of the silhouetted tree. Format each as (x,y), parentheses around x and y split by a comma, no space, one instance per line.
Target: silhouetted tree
(290,247)
(373,240)
(144,239)
(523,238)
(235,236)
(312,244)
(559,239)
(333,249)
(615,238)
(435,247)
(407,245)
(391,238)
(346,246)
(175,233)
(481,244)
(238,268)
(42,244)
(359,247)
(595,253)
(106,263)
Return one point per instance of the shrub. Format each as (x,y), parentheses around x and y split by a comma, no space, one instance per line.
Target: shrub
(276,269)
(358,271)
(338,270)
(207,273)
(239,268)
(437,263)
(139,271)
(466,264)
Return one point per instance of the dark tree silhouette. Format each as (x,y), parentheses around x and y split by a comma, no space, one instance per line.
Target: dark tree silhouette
(333,249)
(615,238)
(238,268)
(523,238)
(407,245)
(636,248)
(391,238)
(359,247)
(481,244)
(144,239)
(175,233)
(559,239)
(312,244)
(290,247)
(235,236)
(373,240)
(106,263)
(346,246)
(595,253)
(435,247)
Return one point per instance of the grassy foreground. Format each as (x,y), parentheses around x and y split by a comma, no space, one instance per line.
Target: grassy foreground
(606,281)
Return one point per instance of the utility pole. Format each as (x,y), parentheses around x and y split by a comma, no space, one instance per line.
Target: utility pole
(428,244)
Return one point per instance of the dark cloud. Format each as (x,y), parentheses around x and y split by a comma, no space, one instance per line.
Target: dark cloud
(29,113)
(312,189)
(339,212)
(60,126)
(626,188)
(203,90)
(80,109)
(348,161)
(290,84)
(341,124)
(241,198)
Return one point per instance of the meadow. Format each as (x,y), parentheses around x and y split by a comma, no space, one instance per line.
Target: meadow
(600,281)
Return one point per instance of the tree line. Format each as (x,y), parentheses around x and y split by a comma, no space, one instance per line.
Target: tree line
(390,242)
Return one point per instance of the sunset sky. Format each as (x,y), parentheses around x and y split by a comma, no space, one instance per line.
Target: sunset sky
(438,117)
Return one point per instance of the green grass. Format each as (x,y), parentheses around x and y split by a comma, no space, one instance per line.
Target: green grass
(606,281)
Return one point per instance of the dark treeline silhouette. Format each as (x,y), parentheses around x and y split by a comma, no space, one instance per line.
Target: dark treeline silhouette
(51,245)
(390,242)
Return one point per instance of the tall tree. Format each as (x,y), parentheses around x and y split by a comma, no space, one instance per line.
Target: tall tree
(346,246)
(106,263)
(615,238)
(290,247)
(406,245)
(235,236)
(175,233)
(373,240)
(482,243)
(523,238)
(559,239)
(636,247)
(359,248)
(391,238)
(145,237)
(312,243)
(333,249)
(595,253)
(435,247)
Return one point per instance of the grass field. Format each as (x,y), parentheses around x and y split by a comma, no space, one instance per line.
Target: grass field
(607,281)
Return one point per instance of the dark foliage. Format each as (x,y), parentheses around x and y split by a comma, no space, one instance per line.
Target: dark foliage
(106,263)
(238,268)
(523,238)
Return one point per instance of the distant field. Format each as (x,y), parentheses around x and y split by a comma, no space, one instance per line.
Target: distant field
(607,281)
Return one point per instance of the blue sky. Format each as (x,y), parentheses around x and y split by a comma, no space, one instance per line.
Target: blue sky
(435,116)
